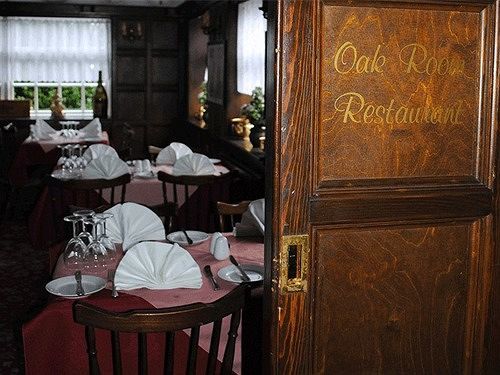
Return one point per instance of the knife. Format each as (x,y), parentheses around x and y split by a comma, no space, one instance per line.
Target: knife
(244,275)
(189,240)
(208,273)
(79,286)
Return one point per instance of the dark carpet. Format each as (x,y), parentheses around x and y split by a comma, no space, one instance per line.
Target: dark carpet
(23,275)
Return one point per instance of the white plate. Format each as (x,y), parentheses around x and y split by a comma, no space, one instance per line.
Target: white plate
(214,161)
(66,286)
(231,273)
(180,238)
(58,173)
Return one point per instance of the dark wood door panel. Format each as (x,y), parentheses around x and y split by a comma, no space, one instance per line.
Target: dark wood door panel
(391,204)
(403,94)
(393,300)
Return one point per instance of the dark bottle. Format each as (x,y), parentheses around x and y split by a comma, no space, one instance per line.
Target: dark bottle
(100,100)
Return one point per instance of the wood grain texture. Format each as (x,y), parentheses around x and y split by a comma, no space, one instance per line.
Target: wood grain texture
(295,90)
(401,214)
(391,301)
(400,205)
(413,57)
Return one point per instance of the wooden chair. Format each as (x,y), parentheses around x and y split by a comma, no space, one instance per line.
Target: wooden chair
(198,209)
(153,152)
(82,193)
(231,211)
(168,320)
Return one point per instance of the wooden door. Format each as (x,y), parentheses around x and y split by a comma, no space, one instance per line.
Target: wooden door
(383,177)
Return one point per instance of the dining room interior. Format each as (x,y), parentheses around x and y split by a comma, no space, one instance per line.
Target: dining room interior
(249,186)
(153,60)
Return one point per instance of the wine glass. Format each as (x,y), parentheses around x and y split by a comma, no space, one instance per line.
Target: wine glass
(75,252)
(103,237)
(62,159)
(97,252)
(85,236)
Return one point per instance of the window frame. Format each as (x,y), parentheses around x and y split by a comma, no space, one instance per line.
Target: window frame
(36,112)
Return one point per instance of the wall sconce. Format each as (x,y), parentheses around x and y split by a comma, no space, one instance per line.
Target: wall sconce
(131,30)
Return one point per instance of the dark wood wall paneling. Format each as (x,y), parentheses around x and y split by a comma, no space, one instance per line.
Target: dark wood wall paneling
(149,81)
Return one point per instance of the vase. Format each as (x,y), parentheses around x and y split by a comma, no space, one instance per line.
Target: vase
(242,127)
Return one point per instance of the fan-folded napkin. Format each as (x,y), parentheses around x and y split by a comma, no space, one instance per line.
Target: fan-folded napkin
(252,220)
(142,168)
(156,265)
(170,154)
(98,150)
(106,167)
(42,130)
(132,223)
(194,165)
(92,130)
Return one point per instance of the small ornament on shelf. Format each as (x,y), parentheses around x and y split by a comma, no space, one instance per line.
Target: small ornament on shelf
(57,108)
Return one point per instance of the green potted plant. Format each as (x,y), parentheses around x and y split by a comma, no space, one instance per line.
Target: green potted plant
(254,110)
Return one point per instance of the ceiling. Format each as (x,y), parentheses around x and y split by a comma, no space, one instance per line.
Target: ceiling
(143,3)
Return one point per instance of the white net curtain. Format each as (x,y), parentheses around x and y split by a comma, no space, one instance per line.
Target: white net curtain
(36,49)
(251,46)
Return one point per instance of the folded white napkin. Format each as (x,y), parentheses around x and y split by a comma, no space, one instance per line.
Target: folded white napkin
(98,150)
(194,165)
(252,220)
(219,246)
(142,168)
(41,130)
(106,167)
(156,265)
(132,223)
(92,130)
(170,154)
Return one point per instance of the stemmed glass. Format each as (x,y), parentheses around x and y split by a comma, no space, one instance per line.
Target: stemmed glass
(75,252)
(80,161)
(97,253)
(103,237)
(83,215)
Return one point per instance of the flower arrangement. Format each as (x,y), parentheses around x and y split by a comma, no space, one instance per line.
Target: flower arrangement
(254,110)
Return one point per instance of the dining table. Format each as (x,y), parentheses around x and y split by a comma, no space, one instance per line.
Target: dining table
(55,344)
(45,152)
(144,189)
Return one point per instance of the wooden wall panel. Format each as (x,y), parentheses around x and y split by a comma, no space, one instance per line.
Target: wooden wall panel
(400,90)
(131,70)
(148,85)
(164,70)
(164,107)
(130,106)
(164,35)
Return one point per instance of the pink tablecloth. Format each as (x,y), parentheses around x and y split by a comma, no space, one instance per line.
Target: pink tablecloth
(41,153)
(54,344)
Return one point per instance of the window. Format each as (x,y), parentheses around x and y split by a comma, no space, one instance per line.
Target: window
(251,47)
(41,57)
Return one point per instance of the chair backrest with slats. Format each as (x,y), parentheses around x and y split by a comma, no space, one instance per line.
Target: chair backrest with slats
(83,193)
(231,211)
(169,321)
(198,209)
